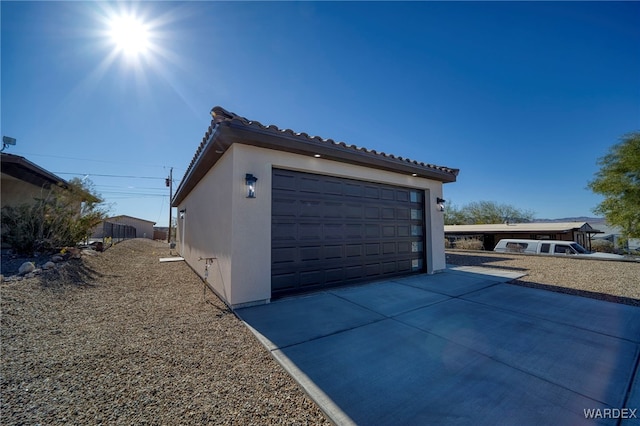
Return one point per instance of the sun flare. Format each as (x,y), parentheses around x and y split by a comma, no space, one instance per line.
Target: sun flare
(129,34)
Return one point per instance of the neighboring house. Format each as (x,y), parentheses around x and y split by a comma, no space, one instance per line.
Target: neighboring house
(490,234)
(320,214)
(143,227)
(22,181)
(613,234)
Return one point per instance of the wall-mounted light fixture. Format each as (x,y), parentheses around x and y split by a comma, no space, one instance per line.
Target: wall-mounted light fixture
(182,212)
(440,202)
(250,181)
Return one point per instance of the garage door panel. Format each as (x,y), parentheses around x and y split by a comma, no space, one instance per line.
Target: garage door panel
(403,196)
(404,247)
(354,250)
(283,255)
(353,272)
(309,209)
(283,231)
(373,269)
(388,213)
(311,278)
(310,253)
(281,282)
(372,213)
(353,211)
(328,231)
(387,194)
(372,249)
(389,248)
(354,230)
(310,231)
(333,187)
(334,275)
(403,213)
(372,231)
(283,207)
(353,190)
(309,184)
(283,181)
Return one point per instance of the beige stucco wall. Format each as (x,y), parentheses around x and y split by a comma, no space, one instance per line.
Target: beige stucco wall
(221,222)
(204,231)
(15,191)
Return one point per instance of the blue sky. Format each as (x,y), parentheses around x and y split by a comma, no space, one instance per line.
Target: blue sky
(522,97)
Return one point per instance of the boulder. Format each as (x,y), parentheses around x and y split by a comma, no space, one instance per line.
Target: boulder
(48,265)
(57,258)
(26,268)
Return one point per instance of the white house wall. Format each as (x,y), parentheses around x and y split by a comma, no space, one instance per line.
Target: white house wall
(222,222)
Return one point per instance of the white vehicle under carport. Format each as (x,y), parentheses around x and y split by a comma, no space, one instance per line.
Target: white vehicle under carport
(550,248)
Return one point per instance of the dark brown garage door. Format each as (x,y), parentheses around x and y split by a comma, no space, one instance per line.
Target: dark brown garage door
(328,231)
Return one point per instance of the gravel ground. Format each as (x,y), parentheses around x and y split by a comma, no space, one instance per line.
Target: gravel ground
(120,338)
(614,281)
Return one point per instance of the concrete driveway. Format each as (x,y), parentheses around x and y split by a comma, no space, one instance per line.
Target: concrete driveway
(460,347)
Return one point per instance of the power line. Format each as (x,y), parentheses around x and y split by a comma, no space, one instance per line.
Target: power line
(133,193)
(91,159)
(116,176)
(130,187)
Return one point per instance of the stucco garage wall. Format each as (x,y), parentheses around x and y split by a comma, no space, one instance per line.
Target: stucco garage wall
(251,253)
(205,231)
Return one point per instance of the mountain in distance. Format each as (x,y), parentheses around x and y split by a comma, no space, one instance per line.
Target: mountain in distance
(590,220)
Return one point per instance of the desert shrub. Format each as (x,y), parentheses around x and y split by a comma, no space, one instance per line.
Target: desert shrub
(60,217)
(447,244)
(469,244)
(602,246)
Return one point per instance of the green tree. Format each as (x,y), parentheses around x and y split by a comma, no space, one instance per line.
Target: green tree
(619,182)
(484,212)
(62,216)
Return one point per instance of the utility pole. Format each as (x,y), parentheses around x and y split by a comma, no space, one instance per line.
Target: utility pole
(169,183)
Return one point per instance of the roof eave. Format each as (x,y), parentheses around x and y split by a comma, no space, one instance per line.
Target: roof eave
(222,134)
(289,142)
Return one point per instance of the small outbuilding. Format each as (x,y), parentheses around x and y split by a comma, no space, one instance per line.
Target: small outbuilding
(143,228)
(265,212)
(490,234)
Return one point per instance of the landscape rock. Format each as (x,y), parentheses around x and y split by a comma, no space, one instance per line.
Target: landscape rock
(75,253)
(26,268)
(57,258)
(48,265)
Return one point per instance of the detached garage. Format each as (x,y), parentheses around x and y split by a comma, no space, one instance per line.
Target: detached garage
(265,212)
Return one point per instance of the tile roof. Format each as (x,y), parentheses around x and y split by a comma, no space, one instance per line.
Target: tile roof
(221,115)
(300,142)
